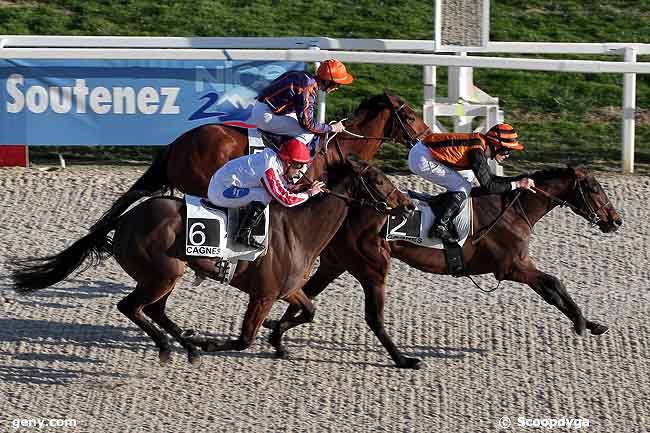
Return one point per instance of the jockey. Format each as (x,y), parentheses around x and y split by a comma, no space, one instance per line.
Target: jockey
(286,106)
(258,179)
(439,157)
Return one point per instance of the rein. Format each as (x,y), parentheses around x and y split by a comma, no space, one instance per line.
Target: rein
(591,216)
(395,112)
(378,204)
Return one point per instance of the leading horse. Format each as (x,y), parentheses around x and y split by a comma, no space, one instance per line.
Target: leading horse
(499,247)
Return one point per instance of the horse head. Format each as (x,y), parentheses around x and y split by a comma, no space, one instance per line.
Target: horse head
(370,187)
(380,117)
(591,202)
(575,188)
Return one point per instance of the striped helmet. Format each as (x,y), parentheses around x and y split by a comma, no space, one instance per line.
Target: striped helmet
(503,137)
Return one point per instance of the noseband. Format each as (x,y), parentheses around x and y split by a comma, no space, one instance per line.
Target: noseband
(378,201)
(407,129)
(589,214)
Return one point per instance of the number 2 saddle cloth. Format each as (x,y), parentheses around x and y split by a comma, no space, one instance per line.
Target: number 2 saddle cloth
(415,229)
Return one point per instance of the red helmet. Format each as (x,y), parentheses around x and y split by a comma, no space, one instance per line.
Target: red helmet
(294,150)
(334,70)
(503,136)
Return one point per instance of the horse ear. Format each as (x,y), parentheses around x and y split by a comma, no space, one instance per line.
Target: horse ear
(578,170)
(391,96)
(354,157)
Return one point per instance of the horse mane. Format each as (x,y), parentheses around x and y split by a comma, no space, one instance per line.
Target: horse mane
(376,103)
(338,171)
(552,173)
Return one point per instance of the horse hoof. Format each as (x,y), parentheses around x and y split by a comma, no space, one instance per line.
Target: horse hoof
(579,327)
(271,324)
(410,363)
(194,358)
(282,354)
(165,357)
(598,329)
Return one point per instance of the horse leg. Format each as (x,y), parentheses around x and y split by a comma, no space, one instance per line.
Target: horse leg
(297,300)
(256,312)
(374,306)
(317,283)
(554,292)
(156,312)
(133,304)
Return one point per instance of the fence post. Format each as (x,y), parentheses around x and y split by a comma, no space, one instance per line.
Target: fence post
(629,112)
(322,96)
(429,108)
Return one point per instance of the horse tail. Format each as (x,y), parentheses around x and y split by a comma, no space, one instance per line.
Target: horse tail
(38,273)
(152,181)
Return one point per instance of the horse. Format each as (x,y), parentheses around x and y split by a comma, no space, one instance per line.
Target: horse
(149,241)
(188,163)
(499,247)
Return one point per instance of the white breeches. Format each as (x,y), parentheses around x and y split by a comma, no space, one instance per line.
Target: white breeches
(225,193)
(284,124)
(422,163)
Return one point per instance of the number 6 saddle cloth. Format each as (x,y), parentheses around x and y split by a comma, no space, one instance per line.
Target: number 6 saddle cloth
(415,229)
(210,231)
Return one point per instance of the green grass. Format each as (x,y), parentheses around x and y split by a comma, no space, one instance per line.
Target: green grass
(560,116)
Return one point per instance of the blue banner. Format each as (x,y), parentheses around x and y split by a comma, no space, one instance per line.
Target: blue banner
(125,102)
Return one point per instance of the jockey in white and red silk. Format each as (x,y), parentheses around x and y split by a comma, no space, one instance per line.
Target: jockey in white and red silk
(258,179)
(286,106)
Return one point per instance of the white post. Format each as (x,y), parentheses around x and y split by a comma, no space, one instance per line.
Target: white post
(629,112)
(429,108)
(322,96)
(461,88)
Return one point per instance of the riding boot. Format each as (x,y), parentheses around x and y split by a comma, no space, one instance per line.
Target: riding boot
(248,224)
(441,227)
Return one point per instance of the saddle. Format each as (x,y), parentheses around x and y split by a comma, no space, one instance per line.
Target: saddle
(210,232)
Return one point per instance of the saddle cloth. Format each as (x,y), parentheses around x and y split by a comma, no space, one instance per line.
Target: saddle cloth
(210,231)
(415,229)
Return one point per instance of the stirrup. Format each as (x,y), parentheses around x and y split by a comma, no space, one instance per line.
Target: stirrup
(248,239)
(441,232)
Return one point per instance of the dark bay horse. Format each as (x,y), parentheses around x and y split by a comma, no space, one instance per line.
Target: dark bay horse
(149,244)
(499,247)
(189,162)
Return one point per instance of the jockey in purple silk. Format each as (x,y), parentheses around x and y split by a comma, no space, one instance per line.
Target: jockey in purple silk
(286,106)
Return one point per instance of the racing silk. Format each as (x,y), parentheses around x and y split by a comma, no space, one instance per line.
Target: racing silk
(263,168)
(295,91)
(463,151)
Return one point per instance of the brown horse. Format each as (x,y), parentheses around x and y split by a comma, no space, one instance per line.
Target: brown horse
(189,162)
(499,247)
(149,244)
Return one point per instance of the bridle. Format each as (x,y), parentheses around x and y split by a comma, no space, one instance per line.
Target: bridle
(378,200)
(590,214)
(406,128)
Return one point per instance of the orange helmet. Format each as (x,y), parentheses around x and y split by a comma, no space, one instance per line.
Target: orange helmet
(503,136)
(334,70)
(294,151)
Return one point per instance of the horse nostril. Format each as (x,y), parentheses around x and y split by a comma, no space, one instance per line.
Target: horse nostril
(618,222)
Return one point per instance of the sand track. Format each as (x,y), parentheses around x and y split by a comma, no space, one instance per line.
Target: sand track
(67,352)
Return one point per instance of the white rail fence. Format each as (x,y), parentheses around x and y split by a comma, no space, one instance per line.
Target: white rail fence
(458,105)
